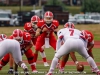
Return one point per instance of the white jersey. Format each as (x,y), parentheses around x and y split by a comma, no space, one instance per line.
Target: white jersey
(69,33)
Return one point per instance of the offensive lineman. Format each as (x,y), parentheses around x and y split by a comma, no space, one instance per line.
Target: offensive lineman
(13,47)
(74,40)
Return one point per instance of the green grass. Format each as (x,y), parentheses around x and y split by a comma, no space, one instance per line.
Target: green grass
(68,68)
(95,29)
(74,9)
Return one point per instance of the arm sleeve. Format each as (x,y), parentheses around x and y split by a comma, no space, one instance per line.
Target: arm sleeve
(58,44)
(59,40)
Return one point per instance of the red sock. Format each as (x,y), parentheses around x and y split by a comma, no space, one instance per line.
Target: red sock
(30,57)
(63,64)
(33,67)
(5,60)
(35,57)
(44,59)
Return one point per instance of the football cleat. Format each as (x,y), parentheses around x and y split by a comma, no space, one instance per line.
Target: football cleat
(93,71)
(49,74)
(11,71)
(16,73)
(46,64)
(98,73)
(26,71)
(61,70)
(35,71)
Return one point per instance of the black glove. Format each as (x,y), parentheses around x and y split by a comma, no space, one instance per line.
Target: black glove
(23,51)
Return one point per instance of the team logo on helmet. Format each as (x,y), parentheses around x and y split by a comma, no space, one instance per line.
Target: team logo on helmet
(18,35)
(34,21)
(3,37)
(69,25)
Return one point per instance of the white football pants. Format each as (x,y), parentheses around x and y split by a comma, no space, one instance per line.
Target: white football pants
(11,46)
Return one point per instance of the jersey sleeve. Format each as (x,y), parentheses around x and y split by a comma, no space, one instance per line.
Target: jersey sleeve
(27,37)
(56,23)
(60,34)
(58,44)
(27,26)
(39,24)
(10,37)
(91,39)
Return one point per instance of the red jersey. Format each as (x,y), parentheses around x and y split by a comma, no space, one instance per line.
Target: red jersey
(26,39)
(54,25)
(90,37)
(28,27)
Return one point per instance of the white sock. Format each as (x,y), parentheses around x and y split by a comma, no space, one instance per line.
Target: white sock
(92,63)
(23,65)
(42,54)
(53,64)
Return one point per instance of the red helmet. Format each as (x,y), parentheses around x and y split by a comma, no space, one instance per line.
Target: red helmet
(3,37)
(34,20)
(69,25)
(85,35)
(18,35)
(48,17)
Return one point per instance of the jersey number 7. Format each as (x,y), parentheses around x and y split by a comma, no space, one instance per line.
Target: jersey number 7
(71,32)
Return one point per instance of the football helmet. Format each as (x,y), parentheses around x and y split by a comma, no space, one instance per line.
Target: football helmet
(34,21)
(18,35)
(48,17)
(69,25)
(3,37)
(85,35)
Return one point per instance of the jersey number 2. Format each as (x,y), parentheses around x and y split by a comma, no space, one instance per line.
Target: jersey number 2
(71,32)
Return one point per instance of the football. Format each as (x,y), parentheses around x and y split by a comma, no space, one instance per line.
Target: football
(80,67)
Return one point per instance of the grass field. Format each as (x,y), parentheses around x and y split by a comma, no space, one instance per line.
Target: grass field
(70,69)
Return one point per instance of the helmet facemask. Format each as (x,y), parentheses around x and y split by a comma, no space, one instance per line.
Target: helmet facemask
(48,17)
(18,35)
(34,24)
(48,20)
(19,39)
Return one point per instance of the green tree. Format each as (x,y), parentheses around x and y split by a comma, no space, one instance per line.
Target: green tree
(90,6)
(56,3)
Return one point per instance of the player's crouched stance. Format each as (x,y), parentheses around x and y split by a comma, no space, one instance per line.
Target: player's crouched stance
(13,47)
(74,40)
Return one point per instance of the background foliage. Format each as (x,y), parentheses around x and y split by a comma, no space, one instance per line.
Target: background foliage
(90,6)
(57,3)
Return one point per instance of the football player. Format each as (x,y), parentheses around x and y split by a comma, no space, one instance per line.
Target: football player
(74,40)
(31,28)
(90,44)
(46,29)
(24,39)
(72,54)
(8,46)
